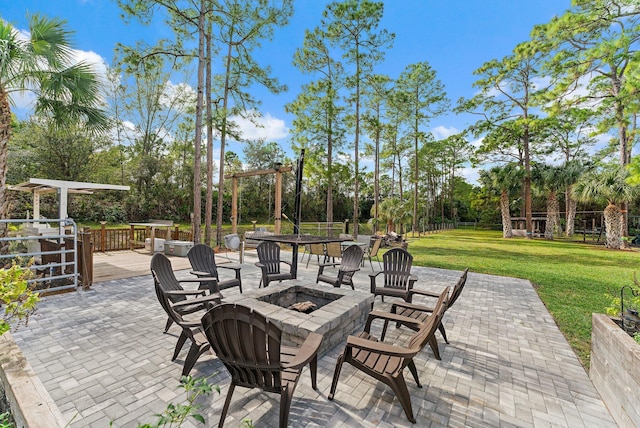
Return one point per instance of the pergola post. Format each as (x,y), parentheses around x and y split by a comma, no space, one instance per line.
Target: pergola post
(278,170)
(234,205)
(278,203)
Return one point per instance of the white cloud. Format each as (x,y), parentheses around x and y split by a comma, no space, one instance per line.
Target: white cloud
(179,96)
(96,61)
(477,142)
(269,128)
(442,132)
(470,175)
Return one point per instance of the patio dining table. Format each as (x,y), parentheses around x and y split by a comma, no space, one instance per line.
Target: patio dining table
(295,241)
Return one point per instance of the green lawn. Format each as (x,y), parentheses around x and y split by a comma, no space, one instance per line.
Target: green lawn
(572,279)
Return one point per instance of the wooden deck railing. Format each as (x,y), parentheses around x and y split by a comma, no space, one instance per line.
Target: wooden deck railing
(121,238)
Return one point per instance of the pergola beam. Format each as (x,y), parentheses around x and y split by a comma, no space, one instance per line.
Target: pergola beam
(278,199)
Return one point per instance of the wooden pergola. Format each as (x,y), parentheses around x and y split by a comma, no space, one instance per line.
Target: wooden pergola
(278,170)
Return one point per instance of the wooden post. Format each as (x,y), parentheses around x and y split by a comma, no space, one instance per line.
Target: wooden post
(85,259)
(234,205)
(103,236)
(132,238)
(278,202)
(176,233)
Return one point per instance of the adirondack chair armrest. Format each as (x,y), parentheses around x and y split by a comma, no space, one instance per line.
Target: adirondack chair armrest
(372,277)
(285,262)
(379,347)
(235,267)
(413,306)
(200,273)
(388,316)
(307,352)
(211,298)
(208,278)
(185,292)
(424,293)
(350,269)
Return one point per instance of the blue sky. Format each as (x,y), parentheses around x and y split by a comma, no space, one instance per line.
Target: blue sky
(454,36)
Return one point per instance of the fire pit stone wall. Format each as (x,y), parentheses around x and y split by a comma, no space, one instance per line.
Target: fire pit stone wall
(335,320)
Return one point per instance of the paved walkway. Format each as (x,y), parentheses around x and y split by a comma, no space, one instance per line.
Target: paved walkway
(102,356)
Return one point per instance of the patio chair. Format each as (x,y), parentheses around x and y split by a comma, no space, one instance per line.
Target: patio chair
(397,278)
(269,263)
(386,362)
(350,264)
(203,261)
(373,250)
(249,345)
(191,329)
(162,270)
(420,312)
(316,250)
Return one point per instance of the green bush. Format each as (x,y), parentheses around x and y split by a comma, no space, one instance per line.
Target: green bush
(17,298)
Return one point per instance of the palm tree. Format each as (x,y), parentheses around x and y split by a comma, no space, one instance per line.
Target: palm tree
(43,64)
(550,179)
(609,185)
(504,181)
(392,211)
(573,170)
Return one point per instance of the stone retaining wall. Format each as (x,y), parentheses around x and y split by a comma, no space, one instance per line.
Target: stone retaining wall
(31,404)
(615,370)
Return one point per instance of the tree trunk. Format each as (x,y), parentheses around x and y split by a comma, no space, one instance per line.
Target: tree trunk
(197,181)
(5,134)
(613,226)
(552,216)
(571,212)
(507,232)
(209,185)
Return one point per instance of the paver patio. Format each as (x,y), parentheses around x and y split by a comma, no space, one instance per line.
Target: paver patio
(102,356)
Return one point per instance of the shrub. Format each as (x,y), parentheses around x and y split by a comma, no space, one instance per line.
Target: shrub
(17,298)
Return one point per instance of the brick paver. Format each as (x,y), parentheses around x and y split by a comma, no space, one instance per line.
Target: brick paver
(102,356)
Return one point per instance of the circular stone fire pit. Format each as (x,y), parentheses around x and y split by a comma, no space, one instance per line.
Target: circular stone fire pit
(339,311)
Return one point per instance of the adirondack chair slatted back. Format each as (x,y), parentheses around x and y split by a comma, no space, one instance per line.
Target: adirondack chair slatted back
(397,268)
(269,256)
(164,276)
(202,258)
(351,261)
(164,300)
(457,289)
(247,344)
(428,329)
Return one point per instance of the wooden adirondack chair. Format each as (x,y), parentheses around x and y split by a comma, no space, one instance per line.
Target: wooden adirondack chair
(421,312)
(249,345)
(269,263)
(172,287)
(203,261)
(386,362)
(350,264)
(397,278)
(191,329)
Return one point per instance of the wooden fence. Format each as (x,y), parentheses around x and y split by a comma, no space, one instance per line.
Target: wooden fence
(125,238)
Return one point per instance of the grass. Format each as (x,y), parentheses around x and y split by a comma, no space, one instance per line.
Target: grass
(572,279)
